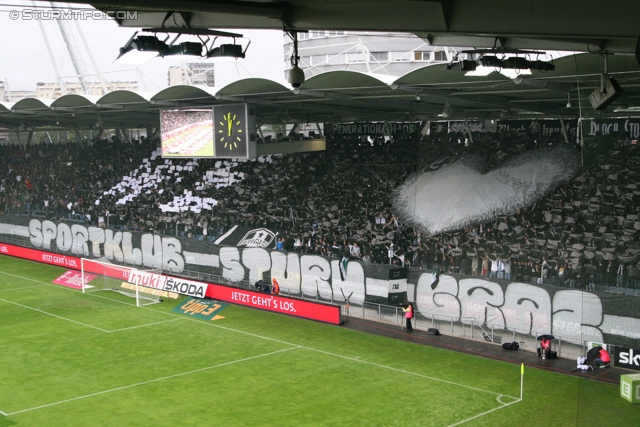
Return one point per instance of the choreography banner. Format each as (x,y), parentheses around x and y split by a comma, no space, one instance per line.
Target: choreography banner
(452,193)
(574,314)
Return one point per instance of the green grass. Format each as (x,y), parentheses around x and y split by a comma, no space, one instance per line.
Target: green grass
(73,359)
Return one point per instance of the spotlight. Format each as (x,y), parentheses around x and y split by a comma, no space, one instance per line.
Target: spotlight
(569,101)
(418,97)
(185,48)
(517,63)
(141,49)
(226,52)
(541,66)
(491,61)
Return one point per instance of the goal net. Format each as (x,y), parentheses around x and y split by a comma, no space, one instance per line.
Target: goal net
(100,276)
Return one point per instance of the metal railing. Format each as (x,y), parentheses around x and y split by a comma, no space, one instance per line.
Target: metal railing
(468,328)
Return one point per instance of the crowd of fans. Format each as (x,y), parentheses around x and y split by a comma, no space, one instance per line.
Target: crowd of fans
(337,203)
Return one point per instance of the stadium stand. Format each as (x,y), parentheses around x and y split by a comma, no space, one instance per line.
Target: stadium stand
(583,235)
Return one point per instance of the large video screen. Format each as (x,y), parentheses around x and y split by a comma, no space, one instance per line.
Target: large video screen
(187,133)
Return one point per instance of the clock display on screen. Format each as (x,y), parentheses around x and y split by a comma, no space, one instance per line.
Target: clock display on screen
(230,130)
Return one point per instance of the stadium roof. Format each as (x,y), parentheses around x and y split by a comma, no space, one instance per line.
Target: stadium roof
(343,96)
(572,25)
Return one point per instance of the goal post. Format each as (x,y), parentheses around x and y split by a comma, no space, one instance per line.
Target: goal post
(100,276)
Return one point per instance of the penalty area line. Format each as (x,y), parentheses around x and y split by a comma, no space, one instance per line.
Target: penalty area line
(21,289)
(53,315)
(504,405)
(144,326)
(182,374)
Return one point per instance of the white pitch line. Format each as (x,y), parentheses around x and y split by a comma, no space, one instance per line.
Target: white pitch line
(485,413)
(71,289)
(355,359)
(509,403)
(20,289)
(402,371)
(143,326)
(33,280)
(182,374)
(2,413)
(285,342)
(53,315)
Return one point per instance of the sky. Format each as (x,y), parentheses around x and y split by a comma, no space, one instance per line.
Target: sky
(24,59)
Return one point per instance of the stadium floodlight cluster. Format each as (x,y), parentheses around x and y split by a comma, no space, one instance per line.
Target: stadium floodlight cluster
(142,48)
(512,59)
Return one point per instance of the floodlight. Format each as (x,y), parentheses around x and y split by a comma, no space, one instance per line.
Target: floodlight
(517,63)
(491,61)
(541,66)
(226,52)
(141,49)
(185,48)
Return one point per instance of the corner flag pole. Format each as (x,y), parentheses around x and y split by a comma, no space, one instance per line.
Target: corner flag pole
(521,380)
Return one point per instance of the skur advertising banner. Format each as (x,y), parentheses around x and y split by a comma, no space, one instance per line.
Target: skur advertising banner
(628,358)
(306,309)
(185,287)
(35,255)
(205,309)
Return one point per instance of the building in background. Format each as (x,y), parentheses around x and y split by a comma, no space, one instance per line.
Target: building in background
(8,95)
(195,73)
(393,54)
(53,90)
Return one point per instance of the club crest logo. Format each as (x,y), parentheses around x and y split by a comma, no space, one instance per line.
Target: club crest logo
(258,238)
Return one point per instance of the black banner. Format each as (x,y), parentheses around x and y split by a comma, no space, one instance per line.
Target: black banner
(458,126)
(542,127)
(629,127)
(377,128)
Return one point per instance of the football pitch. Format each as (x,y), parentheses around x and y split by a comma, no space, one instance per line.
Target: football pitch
(73,359)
